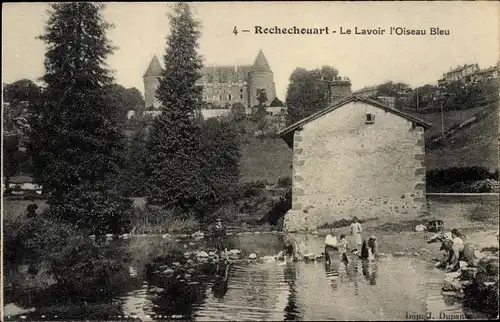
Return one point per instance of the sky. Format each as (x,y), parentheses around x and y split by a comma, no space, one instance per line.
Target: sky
(141,28)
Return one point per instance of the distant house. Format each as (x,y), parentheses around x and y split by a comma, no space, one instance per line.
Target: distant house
(21,184)
(357,157)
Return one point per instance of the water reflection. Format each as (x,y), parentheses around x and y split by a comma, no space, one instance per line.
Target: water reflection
(357,290)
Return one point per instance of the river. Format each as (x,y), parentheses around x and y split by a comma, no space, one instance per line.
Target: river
(393,288)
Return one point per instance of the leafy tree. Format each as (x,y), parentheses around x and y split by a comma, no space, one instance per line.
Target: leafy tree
(308,91)
(238,111)
(121,100)
(132,178)
(21,90)
(220,148)
(74,140)
(261,97)
(174,138)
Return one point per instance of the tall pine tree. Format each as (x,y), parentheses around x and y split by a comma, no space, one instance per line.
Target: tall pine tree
(174,137)
(74,142)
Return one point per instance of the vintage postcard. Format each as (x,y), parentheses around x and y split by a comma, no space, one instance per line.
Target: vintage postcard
(241,161)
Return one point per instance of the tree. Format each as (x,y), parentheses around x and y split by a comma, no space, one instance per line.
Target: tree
(261,97)
(399,91)
(121,100)
(173,142)
(21,90)
(308,91)
(238,111)
(74,141)
(220,148)
(276,103)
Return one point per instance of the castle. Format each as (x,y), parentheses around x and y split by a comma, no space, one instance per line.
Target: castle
(223,86)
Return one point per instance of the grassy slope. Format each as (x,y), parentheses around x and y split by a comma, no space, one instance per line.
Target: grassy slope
(476,145)
(266,159)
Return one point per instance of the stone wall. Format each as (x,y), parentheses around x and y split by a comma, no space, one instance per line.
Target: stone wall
(343,167)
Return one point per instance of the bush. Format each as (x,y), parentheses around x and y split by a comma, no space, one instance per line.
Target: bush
(253,188)
(227,213)
(284,182)
(93,211)
(154,220)
(450,176)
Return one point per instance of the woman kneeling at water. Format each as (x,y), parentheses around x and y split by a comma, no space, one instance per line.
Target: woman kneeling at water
(369,248)
(458,251)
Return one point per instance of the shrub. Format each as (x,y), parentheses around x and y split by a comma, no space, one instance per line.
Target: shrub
(284,182)
(93,211)
(227,213)
(450,176)
(155,220)
(253,188)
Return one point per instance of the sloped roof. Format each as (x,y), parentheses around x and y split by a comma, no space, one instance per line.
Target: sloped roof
(285,133)
(260,64)
(225,73)
(154,68)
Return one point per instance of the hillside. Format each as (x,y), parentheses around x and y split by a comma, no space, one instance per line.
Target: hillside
(474,145)
(266,159)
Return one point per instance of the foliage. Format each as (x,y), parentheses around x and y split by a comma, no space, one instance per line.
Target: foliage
(396,90)
(97,212)
(284,182)
(279,208)
(276,103)
(308,92)
(450,176)
(221,154)
(21,90)
(238,111)
(132,177)
(193,163)
(121,100)
(261,97)
(252,188)
(454,96)
(74,141)
(154,220)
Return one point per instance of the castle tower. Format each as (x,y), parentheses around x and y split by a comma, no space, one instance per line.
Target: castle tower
(151,82)
(261,77)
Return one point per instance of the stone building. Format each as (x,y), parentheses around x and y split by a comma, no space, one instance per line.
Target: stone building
(357,157)
(223,86)
(461,73)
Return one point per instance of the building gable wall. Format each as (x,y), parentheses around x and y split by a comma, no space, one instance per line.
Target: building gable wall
(344,167)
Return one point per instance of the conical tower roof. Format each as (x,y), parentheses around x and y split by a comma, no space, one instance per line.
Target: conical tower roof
(260,64)
(154,68)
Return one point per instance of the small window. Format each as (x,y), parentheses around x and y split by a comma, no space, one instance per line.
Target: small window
(241,90)
(241,96)
(370,118)
(229,96)
(220,97)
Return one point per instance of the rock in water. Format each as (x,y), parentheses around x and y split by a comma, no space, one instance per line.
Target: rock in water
(166,236)
(252,256)
(235,251)
(399,254)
